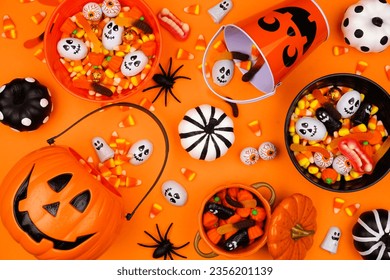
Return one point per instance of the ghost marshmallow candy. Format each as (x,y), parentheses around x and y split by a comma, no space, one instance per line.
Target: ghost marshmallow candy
(348,104)
(112,35)
(102,149)
(140,152)
(219,11)
(310,129)
(133,63)
(72,48)
(174,193)
(331,241)
(222,72)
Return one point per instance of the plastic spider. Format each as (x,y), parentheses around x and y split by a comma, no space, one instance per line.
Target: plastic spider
(165,81)
(164,246)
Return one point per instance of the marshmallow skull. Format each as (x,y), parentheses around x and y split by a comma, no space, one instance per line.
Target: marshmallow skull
(348,104)
(133,63)
(72,48)
(331,241)
(140,152)
(310,129)
(112,35)
(174,193)
(102,149)
(222,72)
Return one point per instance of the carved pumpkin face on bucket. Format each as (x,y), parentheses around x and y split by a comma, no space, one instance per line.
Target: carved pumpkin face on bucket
(56,208)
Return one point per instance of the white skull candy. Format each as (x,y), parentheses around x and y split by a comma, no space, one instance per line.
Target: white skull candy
(310,129)
(102,149)
(174,193)
(112,35)
(72,48)
(222,72)
(331,241)
(219,11)
(348,104)
(140,152)
(133,63)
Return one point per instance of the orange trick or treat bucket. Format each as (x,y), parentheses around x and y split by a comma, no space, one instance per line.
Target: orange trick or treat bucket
(103,50)
(264,48)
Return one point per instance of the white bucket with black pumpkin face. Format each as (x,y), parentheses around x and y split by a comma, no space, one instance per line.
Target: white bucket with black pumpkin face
(275,41)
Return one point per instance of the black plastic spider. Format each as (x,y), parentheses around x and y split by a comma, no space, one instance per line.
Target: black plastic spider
(164,246)
(166,80)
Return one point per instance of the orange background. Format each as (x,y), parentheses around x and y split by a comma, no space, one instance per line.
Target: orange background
(16,61)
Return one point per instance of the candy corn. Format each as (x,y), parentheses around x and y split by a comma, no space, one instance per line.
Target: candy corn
(220,46)
(200,43)
(9,30)
(207,69)
(387,70)
(127,121)
(182,54)
(255,53)
(255,127)
(338,204)
(188,174)
(339,50)
(146,103)
(361,67)
(246,65)
(40,55)
(192,9)
(155,210)
(26,1)
(38,17)
(351,209)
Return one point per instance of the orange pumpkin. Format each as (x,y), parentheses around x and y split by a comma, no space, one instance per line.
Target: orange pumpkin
(56,208)
(293,224)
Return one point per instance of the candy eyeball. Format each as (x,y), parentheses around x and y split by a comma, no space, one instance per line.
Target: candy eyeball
(222,72)
(72,48)
(342,165)
(174,193)
(267,151)
(310,129)
(111,8)
(112,35)
(92,11)
(249,156)
(133,63)
(348,104)
(140,152)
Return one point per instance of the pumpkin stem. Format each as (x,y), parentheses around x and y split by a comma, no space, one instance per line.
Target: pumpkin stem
(377,21)
(298,232)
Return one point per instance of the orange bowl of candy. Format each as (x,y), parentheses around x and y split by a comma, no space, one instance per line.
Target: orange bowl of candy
(234,220)
(102,50)
(336,132)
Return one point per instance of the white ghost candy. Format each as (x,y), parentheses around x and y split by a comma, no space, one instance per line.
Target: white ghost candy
(140,152)
(331,241)
(112,35)
(72,48)
(348,104)
(249,156)
(174,193)
(219,11)
(310,129)
(133,63)
(102,149)
(222,72)
(267,151)
(342,165)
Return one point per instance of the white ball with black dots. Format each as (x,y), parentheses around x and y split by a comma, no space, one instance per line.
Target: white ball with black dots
(366,25)
(25,104)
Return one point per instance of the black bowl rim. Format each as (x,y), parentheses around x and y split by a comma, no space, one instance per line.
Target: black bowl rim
(311,178)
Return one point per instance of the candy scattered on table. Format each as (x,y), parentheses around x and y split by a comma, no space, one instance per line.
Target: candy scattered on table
(155,210)
(9,28)
(331,240)
(338,204)
(350,210)
(188,173)
(38,17)
(192,9)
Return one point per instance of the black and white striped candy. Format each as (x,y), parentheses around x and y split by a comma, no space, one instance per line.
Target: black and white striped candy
(206,132)
(371,235)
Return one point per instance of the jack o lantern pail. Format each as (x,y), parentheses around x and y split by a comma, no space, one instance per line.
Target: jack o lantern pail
(275,41)
(57,205)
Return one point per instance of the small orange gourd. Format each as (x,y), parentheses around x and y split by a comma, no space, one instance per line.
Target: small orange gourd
(293,224)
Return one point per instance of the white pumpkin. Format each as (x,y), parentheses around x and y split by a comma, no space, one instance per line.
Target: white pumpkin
(366,25)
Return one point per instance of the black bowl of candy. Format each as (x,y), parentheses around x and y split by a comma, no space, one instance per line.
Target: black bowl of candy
(336,132)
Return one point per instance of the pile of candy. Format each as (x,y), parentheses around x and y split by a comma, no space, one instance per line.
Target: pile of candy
(234,218)
(336,134)
(107,48)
